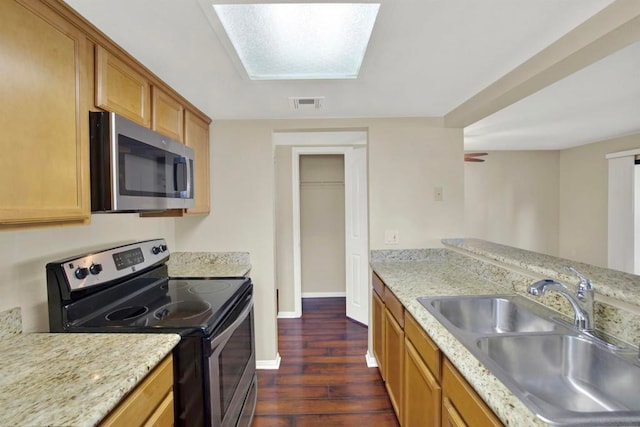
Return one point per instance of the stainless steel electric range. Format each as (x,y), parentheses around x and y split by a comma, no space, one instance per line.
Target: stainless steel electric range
(127,289)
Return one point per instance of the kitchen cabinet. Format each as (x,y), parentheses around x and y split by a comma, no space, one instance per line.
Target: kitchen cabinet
(150,403)
(167,114)
(461,403)
(423,386)
(120,88)
(422,391)
(43,116)
(196,136)
(394,358)
(377,317)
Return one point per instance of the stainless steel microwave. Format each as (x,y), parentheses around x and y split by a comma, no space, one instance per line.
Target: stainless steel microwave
(134,169)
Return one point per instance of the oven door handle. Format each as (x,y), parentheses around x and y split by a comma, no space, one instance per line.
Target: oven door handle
(227,332)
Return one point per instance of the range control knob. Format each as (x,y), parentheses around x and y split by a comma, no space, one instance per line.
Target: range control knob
(81,272)
(156,250)
(163,248)
(95,268)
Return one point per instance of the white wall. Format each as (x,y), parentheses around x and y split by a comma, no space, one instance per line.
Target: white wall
(512,198)
(24,254)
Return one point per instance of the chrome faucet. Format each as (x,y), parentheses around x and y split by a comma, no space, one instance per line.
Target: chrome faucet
(582,301)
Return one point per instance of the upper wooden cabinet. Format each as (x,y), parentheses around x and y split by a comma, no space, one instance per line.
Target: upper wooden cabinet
(196,136)
(167,114)
(44,167)
(121,89)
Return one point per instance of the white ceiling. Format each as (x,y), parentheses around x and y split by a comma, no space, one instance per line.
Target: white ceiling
(425,58)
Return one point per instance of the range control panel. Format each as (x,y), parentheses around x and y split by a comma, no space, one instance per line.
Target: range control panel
(113,264)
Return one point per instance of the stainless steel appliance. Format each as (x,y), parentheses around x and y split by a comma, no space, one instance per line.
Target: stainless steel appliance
(134,169)
(126,289)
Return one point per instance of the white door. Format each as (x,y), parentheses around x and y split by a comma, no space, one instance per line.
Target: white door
(356,243)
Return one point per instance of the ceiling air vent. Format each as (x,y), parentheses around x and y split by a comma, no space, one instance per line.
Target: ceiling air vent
(307,103)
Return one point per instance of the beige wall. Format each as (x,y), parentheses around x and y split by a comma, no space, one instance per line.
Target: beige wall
(284,229)
(583,199)
(322,225)
(406,159)
(242,215)
(545,199)
(24,254)
(512,198)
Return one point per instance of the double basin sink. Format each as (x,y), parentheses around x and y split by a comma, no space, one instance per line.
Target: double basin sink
(565,377)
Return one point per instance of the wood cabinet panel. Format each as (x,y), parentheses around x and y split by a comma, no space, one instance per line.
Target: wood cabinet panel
(426,348)
(394,306)
(121,89)
(422,393)
(394,361)
(167,115)
(378,285)
(150,400)
(377,317)
(44,162)
(451,417)
(196,136)
(468,405)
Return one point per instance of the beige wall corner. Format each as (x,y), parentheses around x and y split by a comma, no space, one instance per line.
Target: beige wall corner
(512,199)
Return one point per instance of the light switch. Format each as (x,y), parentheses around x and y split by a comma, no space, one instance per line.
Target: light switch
(391,237)
(438,194)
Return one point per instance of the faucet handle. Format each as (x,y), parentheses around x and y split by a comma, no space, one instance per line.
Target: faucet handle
(585,288)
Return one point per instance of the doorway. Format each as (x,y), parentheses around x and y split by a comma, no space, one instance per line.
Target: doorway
(288,148)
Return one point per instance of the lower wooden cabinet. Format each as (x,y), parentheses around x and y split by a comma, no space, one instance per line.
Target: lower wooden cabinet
(422,391)
(394,361)
(377,316)
(461,403)
(150,404)
(423,386)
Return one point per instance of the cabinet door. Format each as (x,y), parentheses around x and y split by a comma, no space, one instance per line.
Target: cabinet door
(422,393)
(377,316)
(394,361)
(44,166)
(167,115)
(196,136)
(451,417)
(121,89)
(460,396)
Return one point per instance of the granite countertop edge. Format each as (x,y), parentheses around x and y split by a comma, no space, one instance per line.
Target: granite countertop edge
(73,379)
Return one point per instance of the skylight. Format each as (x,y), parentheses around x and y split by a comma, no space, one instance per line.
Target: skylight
(299,40)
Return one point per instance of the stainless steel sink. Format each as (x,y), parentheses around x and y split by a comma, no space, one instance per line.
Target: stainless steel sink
(486,314)
(565,377)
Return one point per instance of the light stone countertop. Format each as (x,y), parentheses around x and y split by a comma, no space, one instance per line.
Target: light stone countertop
(209,264)
(435,272)
(69,379)
(611,283)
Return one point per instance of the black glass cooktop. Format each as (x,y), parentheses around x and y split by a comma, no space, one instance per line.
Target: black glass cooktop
(184,306)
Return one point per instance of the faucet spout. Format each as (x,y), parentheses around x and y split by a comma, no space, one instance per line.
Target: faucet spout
(581,301)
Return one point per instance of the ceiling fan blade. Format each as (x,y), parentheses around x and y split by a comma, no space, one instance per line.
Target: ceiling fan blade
(475,154)
(472,159)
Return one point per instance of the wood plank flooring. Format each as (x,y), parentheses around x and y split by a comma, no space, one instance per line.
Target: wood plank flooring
(323,378)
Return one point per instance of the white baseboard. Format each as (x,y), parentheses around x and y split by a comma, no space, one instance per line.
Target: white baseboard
(372,362)
(289,315)
(323,294)
(269,364)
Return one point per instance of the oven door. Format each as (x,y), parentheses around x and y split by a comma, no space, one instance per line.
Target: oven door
(232,369)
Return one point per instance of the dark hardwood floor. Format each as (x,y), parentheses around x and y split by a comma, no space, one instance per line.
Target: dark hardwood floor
(323,379)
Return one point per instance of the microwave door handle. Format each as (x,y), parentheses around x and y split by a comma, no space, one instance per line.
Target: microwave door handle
(188,177)
(180,174)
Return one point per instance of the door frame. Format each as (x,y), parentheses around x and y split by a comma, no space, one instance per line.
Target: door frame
(316,142)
